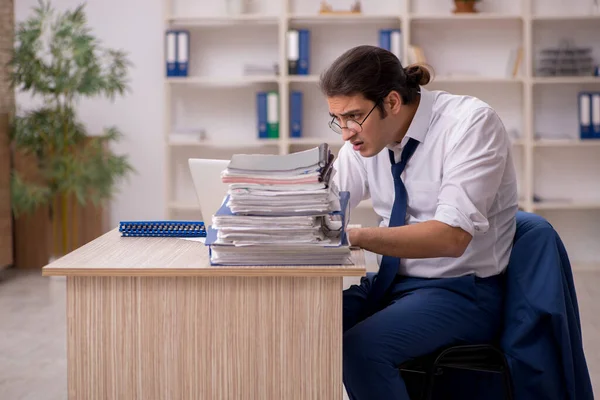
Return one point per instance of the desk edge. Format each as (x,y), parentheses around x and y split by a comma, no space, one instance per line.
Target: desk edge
(209,272)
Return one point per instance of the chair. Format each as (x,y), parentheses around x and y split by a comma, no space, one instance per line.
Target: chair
(540,352)
(482,358)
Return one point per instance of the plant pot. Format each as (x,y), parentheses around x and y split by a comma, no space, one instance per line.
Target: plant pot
(80,225)
(6,227)
(47,234)
(462,6)
(32,240)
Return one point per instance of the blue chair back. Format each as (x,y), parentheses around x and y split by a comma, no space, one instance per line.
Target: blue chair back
(542,337)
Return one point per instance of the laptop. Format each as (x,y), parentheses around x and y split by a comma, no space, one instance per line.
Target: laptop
(210,190)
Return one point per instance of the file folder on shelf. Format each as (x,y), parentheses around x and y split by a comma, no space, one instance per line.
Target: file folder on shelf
(293,48)
(272,115)
(296,98)
(391,40)
(304,64)
(596,115)
(585,115)
(183,50)
(162,229)
(262,111)
(177,43)
(171,53)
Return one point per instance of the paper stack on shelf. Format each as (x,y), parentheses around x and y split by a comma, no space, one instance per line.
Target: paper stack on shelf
(281,210)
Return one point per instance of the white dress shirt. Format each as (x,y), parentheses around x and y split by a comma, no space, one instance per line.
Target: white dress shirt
(461,174)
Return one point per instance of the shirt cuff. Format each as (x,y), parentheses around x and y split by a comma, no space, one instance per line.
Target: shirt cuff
(456,218)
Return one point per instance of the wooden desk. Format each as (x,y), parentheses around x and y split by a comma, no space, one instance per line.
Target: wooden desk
(149,318)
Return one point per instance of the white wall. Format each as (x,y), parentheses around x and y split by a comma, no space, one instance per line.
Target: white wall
(136,27)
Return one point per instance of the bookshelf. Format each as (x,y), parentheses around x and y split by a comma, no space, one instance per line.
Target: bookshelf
(470,53)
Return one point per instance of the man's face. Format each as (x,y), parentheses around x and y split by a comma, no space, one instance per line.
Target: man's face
(369,139)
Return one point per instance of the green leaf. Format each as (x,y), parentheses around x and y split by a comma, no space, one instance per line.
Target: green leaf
(27,197)
(58,60)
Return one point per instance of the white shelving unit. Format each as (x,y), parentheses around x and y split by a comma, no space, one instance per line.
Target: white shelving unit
(469,53)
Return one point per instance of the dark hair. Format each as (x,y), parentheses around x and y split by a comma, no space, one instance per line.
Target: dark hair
(373,72)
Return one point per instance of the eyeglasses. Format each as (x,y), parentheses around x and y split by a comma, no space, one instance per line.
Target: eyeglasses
(352,125)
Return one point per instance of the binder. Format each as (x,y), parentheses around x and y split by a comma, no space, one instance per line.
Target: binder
(385,39)
(303,52)
(596,115)
(391,40)
(396,43)
(261,110)
(292,51)
(183,50)
(296,98)
(171,53)
(272,115)
(585,115)
(162,229)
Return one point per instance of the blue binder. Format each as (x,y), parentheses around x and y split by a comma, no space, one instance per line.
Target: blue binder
(385,41)
(303,52)
(261,113)
(162,229)
(296,98)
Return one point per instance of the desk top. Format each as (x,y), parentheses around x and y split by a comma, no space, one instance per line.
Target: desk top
(114,255)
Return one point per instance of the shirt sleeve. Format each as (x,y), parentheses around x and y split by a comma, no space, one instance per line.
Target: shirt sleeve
(351,175)
(472,172)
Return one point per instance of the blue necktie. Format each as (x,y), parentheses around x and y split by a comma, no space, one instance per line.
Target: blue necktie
(390,265)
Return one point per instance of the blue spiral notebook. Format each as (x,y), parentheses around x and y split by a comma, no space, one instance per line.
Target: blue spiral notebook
(162,228)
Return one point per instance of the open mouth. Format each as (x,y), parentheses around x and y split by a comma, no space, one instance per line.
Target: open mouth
(357,145)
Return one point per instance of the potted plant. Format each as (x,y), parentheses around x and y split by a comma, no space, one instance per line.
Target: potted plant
(58,61)
(465,6)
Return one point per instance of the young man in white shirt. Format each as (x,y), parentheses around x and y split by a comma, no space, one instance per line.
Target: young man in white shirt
(448,219)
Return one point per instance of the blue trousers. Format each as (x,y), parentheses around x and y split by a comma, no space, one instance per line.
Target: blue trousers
(420,317)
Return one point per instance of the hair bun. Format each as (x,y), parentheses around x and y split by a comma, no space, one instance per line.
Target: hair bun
(417,75)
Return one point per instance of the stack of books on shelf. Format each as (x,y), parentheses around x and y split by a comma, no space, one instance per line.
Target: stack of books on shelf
(281,210)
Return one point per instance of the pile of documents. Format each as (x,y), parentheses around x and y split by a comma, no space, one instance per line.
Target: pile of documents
(281,210)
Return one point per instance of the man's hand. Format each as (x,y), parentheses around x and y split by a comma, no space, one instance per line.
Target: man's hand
(429,239)
(352,236)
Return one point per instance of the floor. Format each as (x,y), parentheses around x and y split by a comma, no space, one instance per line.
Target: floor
(32,333)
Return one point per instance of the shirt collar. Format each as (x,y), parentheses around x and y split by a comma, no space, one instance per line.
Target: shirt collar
(420,124)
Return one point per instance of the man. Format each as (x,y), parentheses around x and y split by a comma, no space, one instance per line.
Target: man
(448,215)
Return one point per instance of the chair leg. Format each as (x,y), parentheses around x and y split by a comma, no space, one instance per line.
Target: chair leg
(429,382)
(508,389)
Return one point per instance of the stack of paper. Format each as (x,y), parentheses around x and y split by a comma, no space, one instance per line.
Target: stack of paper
(282,210)
(297,183)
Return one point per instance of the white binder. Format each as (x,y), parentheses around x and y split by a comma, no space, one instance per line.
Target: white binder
(183,48)
(171,51)
(596,115)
